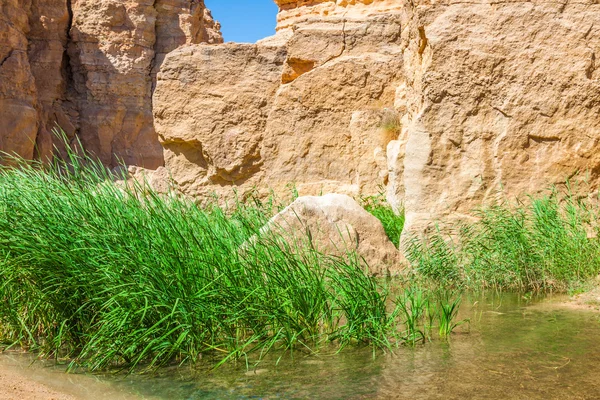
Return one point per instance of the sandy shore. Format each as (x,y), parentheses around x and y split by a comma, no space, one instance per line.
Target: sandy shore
(14,385)
(587,301)
(22,380)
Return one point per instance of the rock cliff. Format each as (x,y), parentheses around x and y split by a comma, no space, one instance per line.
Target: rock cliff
(444,104)
(18,95)
(501,97)
(305,107)
(448,104)
(88,67)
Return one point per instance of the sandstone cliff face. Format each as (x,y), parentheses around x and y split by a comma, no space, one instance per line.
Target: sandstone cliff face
(18,115)
(87,66)
(444,103)
(304,107)
(491,97)
(502,96)
(293,13)
(211,109)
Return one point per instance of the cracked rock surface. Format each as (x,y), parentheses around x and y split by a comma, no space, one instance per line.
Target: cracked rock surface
(503,99)
(88,67)
(304,107)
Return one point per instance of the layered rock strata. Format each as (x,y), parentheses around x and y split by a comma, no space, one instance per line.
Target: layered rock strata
(305,107)
(87,67)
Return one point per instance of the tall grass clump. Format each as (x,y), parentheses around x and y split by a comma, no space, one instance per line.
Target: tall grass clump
(110,274)
(421,309)
(546,243)
(393,222)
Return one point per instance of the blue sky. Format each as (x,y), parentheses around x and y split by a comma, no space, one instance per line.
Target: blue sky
(244,20)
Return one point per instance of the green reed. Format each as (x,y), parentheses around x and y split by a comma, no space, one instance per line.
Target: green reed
(113,275)
(546,243)
(393,222)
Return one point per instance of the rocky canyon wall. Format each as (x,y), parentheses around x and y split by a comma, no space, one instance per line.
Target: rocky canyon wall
(87,66)
(486,100)
(503,98)
(445,105)
(306,107)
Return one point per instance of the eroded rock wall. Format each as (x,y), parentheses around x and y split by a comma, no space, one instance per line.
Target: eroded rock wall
(211,108)
(445,104)
(293,13)
(87,66)
(502,99)
(488,100)
(304,108)
(18,94)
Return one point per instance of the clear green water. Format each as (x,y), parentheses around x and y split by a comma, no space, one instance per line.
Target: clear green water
(513,349)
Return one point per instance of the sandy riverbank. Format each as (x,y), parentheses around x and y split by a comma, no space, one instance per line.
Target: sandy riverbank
(22,380)
(17,386)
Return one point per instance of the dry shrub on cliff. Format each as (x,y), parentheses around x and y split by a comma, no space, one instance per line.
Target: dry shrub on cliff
(391,125)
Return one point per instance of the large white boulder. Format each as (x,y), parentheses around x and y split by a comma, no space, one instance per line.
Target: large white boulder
(336,224)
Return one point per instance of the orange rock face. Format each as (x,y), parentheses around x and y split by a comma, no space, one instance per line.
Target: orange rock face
(303,108)
(443,104)
(18,94)
(296,12)
(88,67)
(502,99)
(483,98)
